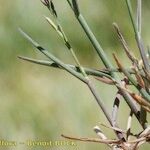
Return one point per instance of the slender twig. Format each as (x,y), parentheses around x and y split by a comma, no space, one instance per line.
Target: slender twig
(139,16)
(117,70)
(140,140)
(138,37)
(139,78)
(107,114)
(92,140)
(62,34)
(114,128)
(88,71)
(143,114)
(105,80)
(91,36)
(53,58)
(125,45)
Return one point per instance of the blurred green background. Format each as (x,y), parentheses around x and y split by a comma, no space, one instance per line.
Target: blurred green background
(41,103)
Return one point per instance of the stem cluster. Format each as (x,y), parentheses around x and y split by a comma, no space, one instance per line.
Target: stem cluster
(138,75)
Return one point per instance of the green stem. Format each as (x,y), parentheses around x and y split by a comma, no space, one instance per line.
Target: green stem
(105,111)
(106,62)
(88,71)
(66,41)
(138,37)
(139,16)
(53,58)
(94,41)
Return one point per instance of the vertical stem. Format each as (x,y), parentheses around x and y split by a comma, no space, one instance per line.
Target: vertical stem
(94,41)
(105,111)
(139,16)
(138,37)
(62,34)
(143,114)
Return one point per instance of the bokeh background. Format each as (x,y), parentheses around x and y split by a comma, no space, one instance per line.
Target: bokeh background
(41,103)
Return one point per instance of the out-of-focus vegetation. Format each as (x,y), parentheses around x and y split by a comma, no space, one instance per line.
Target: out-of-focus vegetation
(42,103)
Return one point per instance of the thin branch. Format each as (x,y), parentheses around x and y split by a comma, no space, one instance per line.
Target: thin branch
(53,58)
(139,78)
(58,28)
(92,38)
(125,45)
(105,80)
(115,70)
(104,109)
(114,128)
(139,16)
(88,71)
(140,139)
(95,140)
(138,37)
